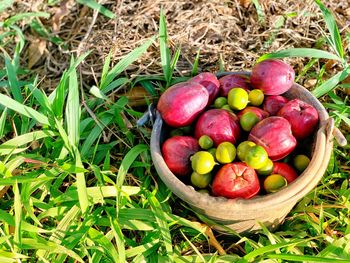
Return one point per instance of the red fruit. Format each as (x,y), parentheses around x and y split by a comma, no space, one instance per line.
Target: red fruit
(274,103)
(272,76)
(177,151)
(259,112)
(220,125)
(210,82)
(275,135)
(180,104)
(235,180)
(229,82)
(302,117)
(286,171)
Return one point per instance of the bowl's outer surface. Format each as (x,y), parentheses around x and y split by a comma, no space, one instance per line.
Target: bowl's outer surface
(244,215)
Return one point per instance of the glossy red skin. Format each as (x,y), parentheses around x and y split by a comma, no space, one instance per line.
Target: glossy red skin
(236,180)
(229,82)
(210,82)
(272,76)
(220,125)
(275,135)
(302,117)
(274,103)
(285,170)
(177,151)
(180,104)
(261,114)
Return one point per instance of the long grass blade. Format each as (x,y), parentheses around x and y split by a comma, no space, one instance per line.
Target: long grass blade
(331,83)
(18,216)
(3,122)
(96,6)
(306,258)
(125,62)
(101,241)
(336,41)
(22,109)
(299,52)
(13,19)
(12,80)
(164,49)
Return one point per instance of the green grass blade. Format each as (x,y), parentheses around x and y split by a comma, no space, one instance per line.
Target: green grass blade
(13,19)
(3,122)
(73,110)
(161,224)
(333,29)
(96,6)
(194,71)
(164,49)
(119,239)
(101,241)
(12,80)
(4,4)
(41,98)
(105,68)
(22,109)
(306,258)
(331,83)
(132,252)
(81,183)
(259,11)
(125,62)
(174,62)
(299,52)
(18,216)
(10,146)
(114,84)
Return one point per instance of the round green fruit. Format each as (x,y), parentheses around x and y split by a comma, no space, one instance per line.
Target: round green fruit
(205,142)
(266,169)
(248,120)
(256,157)
(301,162)
(200,180)
(274,182)
(256,97)
(220,102)
(225,152)
(243,149)
(202,162)
(237,98)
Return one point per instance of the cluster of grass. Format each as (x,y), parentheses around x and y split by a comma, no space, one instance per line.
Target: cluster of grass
(77,182)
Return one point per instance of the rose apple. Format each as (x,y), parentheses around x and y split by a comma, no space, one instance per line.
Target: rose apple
(285,170)
(274,103)
(177,151)
(302,117)
(272,76)
(210,82)
(220,125)
(229,82)
(180,104)
(275,135)
(235,180)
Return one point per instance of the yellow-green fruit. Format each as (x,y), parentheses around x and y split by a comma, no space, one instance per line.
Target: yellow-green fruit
(205,142)
(243,149)
(237,98)
(225,152)
(212,151)
(248,120)
(266,169)
(301,162)
(200,180)
(256,157)
(202,162)
(274,182)
(219,102)
(203,191)
(256,97)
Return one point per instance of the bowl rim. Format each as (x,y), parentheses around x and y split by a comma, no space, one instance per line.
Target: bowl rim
(295,191)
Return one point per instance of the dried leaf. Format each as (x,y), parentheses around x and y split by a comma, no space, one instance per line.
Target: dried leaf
(330,64)
(35,51)
(310,83)
(61,12)
(138,96)
(245,3)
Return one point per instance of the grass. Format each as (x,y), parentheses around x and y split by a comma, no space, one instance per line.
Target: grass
(77,182)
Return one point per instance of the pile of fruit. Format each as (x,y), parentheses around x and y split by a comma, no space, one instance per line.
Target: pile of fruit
(237,136)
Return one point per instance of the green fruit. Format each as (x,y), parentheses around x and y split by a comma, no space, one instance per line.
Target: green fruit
(256,97)
(219,102)
(243,149)
(202,162)
(205,142)
(200,180)
(301,162)
(274,182)
(203,191)
(227,107)
(212,151)
(237,98)
(266,169)
(248,121)
(256,157)
(226,152)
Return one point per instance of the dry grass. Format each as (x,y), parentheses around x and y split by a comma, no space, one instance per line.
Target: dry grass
(223,29)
